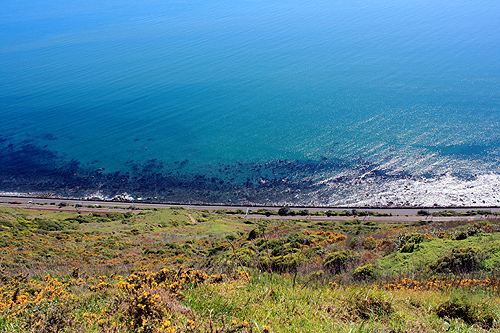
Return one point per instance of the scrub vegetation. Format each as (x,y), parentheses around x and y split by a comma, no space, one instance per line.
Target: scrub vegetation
(179,270)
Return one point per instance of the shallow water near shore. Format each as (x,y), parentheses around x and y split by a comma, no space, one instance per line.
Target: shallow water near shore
(305,102)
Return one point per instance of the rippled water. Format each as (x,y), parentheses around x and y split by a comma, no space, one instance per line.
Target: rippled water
(363,102)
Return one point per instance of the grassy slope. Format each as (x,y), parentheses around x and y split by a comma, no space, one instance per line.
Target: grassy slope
(429,251)
(96,285)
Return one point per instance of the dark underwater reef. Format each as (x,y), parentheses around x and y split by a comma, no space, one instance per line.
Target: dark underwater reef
(28,168)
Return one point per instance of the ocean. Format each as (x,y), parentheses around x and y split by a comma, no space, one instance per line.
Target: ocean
(317,103)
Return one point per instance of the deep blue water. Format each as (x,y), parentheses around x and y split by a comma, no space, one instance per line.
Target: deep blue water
(388,102)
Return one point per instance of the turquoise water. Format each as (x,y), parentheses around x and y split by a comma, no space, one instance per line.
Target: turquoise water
(306,102)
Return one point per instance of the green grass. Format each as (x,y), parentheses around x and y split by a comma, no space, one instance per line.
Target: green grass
(275,301)
(430,251)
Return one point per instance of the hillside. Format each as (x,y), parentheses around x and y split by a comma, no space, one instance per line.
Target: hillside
(179,270)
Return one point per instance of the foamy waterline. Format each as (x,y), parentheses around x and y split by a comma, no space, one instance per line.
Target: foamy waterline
(442,191)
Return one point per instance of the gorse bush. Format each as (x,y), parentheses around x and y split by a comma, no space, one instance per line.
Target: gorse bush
(409,242)
(463,260)
(365,272)
(340,261)
(145,311)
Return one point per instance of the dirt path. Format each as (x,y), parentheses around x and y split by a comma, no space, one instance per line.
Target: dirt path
(192,219)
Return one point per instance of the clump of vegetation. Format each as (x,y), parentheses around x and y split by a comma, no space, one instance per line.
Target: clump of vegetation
(409,242)
(459,261)
(364,273)
(369,304)
(471,312)
(287,211)
(341,260)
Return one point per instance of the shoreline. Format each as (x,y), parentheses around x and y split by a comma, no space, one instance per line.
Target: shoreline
(125,198)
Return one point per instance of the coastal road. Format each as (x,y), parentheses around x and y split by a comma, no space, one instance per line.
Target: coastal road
(89,206)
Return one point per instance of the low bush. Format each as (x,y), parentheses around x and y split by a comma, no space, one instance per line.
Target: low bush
(339,261)
(364,273)
(409,242)
(463,260)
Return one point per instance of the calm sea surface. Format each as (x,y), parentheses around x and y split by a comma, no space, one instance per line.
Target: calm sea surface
(363,102)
